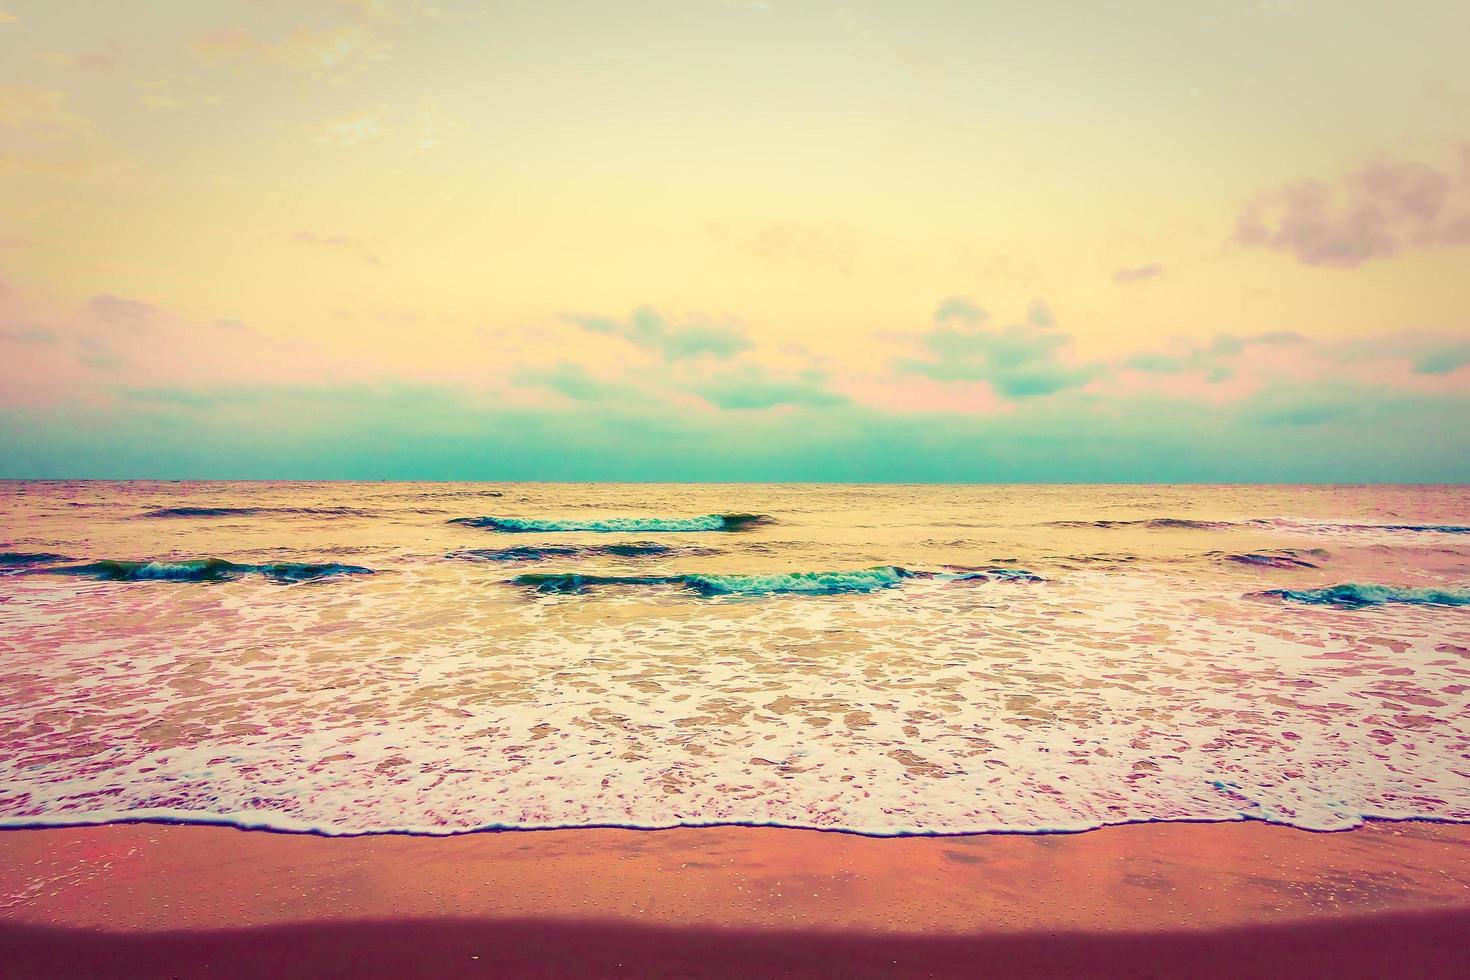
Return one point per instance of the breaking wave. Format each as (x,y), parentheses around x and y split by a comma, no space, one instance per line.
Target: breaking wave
(575,583)
(203,570)
(1353,595)
(775,583)
(798,583)
(705,522)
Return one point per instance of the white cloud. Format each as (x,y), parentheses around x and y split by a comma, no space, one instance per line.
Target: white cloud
(434,124)
(352,130)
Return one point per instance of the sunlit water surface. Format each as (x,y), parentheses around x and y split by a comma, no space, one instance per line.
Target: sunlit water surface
(1137,673)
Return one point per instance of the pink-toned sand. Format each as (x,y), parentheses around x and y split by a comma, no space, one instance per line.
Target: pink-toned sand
(1152,900)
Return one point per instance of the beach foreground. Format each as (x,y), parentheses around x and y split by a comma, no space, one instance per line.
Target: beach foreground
(1242,899)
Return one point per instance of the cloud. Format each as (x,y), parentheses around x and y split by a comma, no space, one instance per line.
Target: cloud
(1023,360)
(752,388)
(1378,211)
(1215,358)
(1442,358)
(351,130)
(70,168)
(201,398)
(132,313)
(340,244)
(959,309)
(573,381)
(87,61)
(41,113)
(808,248)
(435,125)
(648,330)
(8,18)
(379,10)
(1139,273)
(1424,352)
(327,53)
(391,395)
(48,139)
(98,356)
(174,93)
(29,336)
(227,42)
(1322,402)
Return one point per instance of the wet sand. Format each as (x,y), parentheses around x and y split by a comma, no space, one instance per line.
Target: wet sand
(1164,899)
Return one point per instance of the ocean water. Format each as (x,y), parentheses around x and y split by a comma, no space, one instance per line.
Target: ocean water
(438,658)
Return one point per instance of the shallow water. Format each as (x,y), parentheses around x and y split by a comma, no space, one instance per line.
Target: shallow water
(965,658)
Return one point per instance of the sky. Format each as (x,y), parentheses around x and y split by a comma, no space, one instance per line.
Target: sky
(735,240)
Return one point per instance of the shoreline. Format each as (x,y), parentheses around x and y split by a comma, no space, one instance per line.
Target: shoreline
(165,818)
(735,900)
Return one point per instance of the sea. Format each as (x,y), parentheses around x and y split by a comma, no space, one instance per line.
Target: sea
(438,658)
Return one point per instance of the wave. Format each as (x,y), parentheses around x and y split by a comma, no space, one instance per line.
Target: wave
(1074,561)
(1192,524)
(984,575)
(705,522)
(26,559)
(446,494)
(169,512)
(775,583)
(1298,525)
(203,570)
(575,583)
(1285,558)
(1353,595)
(799,583)
(630,549)
(1174,523)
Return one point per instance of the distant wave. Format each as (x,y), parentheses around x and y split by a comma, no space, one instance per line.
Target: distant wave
(1398,528)
(705,522)
(775,583)
(982,575)
(1354,595)
(1088,561)
(1192,524)
(630,549)
(446,494)
(1175,523)
(1285,558)
(26,559)
(166,512)
(203,570)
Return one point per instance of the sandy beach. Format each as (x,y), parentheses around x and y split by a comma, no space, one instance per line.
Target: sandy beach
(1241,899)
